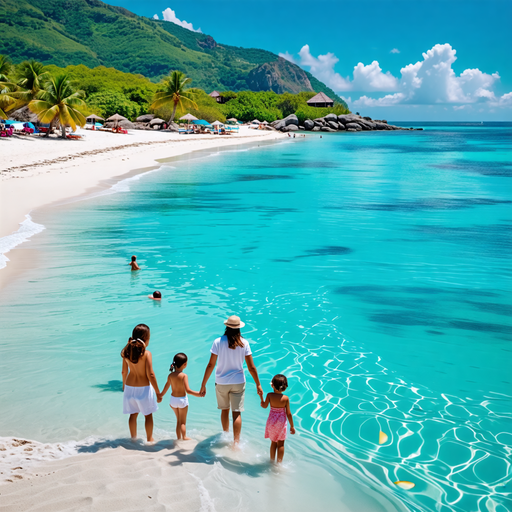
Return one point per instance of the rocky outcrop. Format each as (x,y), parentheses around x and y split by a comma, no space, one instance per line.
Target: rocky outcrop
(283,123)
(207,43)
(278,76)
(353,126)
(145,118)
(334,123)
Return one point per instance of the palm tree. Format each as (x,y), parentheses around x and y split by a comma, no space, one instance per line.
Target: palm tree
(30,77)
(173,90)
(58,99)
(7,102)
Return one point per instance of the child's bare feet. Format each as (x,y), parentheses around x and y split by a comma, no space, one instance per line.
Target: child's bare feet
(187,438)
(152,440)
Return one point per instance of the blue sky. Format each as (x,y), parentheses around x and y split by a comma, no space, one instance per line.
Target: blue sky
(395,59)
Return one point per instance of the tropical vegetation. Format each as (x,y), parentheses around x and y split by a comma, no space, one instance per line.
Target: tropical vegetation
(173,91)
(79,90)
(58,99)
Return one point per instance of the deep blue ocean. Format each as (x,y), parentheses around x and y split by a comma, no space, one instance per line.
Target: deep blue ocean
(372,269)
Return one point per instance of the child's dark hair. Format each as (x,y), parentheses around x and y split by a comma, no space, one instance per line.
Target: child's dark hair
(179,360)
(157,294)
(136,346)
(134,258)
(279,382)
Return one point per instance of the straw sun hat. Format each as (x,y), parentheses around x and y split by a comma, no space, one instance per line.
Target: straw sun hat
(234,322)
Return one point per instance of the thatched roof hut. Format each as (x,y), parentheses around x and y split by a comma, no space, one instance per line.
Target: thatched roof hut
(217,96)
(23,115)
(320,100)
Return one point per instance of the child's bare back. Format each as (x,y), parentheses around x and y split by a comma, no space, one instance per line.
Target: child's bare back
(133,263)
(178,382)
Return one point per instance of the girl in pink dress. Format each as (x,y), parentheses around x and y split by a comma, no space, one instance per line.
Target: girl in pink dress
(276,423)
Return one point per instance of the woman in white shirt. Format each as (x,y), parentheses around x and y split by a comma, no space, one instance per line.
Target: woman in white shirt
(229,352)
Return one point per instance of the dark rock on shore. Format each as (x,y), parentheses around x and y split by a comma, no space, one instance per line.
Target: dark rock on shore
(353,126)
(334,123)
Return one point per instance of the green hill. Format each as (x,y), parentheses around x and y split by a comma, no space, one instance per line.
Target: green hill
(90,32)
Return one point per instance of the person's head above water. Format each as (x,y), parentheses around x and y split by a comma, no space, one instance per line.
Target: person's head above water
(137,343)
(279,382)
(179,360)
(134,258)
(233,325)
(157,295)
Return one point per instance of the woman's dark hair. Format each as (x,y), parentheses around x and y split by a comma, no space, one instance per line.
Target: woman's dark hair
(234,338)
(157,294)
(279,382)
(133,259)
(179,360)
(136,346)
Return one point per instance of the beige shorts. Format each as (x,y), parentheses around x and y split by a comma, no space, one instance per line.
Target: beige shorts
(230,396)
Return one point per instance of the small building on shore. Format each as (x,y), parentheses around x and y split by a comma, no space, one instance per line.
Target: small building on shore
(217,96)
(320,100)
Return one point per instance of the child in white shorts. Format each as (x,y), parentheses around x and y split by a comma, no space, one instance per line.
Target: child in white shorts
(178,381)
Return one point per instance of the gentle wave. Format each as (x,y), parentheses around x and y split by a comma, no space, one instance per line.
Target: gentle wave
(27,229)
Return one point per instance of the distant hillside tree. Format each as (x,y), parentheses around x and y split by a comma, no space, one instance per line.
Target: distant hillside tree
(173,92)
(59,100)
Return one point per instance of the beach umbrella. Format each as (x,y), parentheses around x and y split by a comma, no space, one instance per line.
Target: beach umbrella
(188,117)
(95,117)
(255,121)
(265,122)
(116,118)
(201,122)
(217,123)
(232,119)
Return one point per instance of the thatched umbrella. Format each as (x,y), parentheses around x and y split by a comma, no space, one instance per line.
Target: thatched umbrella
(188,117)
(233,119)
(116,118)
(94,117)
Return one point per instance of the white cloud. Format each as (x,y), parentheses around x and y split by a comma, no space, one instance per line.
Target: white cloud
(170,15)
(433,80)
(322,67)
(386,101)
(287,56)
(371,78)
(429,81)
(395,50)
(506,99)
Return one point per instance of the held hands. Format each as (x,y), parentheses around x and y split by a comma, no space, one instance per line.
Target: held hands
(259,390)
(202,391)
(159,397)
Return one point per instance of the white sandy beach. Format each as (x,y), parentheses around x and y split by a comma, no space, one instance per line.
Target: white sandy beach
(35,171)
(121,478)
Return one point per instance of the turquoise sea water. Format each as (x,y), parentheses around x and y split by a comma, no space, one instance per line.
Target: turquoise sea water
(373,269)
